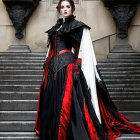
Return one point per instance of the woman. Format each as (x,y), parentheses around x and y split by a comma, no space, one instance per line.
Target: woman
(69,107)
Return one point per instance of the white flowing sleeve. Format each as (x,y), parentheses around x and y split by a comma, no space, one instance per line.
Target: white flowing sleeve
(48,52)
(88,66)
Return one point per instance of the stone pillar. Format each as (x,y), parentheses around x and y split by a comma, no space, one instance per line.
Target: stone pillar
(19,12)
(122,12)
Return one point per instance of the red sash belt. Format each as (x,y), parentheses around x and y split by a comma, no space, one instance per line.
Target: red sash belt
(63,51)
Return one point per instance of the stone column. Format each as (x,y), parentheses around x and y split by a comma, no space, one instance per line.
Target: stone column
(122,12)
(19,12)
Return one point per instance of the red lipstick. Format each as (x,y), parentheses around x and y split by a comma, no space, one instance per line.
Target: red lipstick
(65,12)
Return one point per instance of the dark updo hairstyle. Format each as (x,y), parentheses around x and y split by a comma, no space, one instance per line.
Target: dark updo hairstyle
(58,7)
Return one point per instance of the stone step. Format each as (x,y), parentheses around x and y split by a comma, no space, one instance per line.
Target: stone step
(117,89)
(117,64)
(31,105)
(19,95)
(17,126)
(124,48)
(119,69)
(122,81)
(132,115)
(33,136)
(135,72)
(18,64)
(123,85)
(129,137)
(20,126)
(124,55)
(21,68)
(127,53)
(19,88)
(18,105)
(31,115)
(122,51)
(34,95)
(18,136)
(21,61)
(115,76)
(18,115)
(125,93)
(18,82)
(33,54)
(42,58)
(40,71)
(21,72)
(21,77)
(127,105)
(125,97)
(18,48)
(118,60)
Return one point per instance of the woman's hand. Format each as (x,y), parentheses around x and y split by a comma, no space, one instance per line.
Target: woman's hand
(76,70)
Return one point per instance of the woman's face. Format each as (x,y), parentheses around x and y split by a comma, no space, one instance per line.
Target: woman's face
(66,9)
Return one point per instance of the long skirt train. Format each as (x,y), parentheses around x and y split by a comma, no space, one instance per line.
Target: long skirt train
(65,110)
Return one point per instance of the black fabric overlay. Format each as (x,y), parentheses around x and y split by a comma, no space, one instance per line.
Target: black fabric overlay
(51,105)
(51,100)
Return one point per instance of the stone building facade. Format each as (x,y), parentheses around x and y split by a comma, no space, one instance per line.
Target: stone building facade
(92,12)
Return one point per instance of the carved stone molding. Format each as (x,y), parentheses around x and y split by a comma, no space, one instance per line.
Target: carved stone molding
(56,1)
(19,12)
(122,12)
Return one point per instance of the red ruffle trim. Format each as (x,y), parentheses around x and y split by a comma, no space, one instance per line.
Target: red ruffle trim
(66,105)
(132,128)
(109,122)
(113,125)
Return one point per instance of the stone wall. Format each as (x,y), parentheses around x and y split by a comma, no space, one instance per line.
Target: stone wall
(92,12)
(134,31)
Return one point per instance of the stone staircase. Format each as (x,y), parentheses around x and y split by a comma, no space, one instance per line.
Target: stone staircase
(121,73)
(20,76)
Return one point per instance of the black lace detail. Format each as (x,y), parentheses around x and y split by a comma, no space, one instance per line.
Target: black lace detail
(57,62)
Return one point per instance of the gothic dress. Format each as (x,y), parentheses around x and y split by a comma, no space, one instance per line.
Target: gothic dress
(79,108)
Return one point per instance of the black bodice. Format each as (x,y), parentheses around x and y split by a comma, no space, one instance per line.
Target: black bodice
(64,36)
(61,41)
